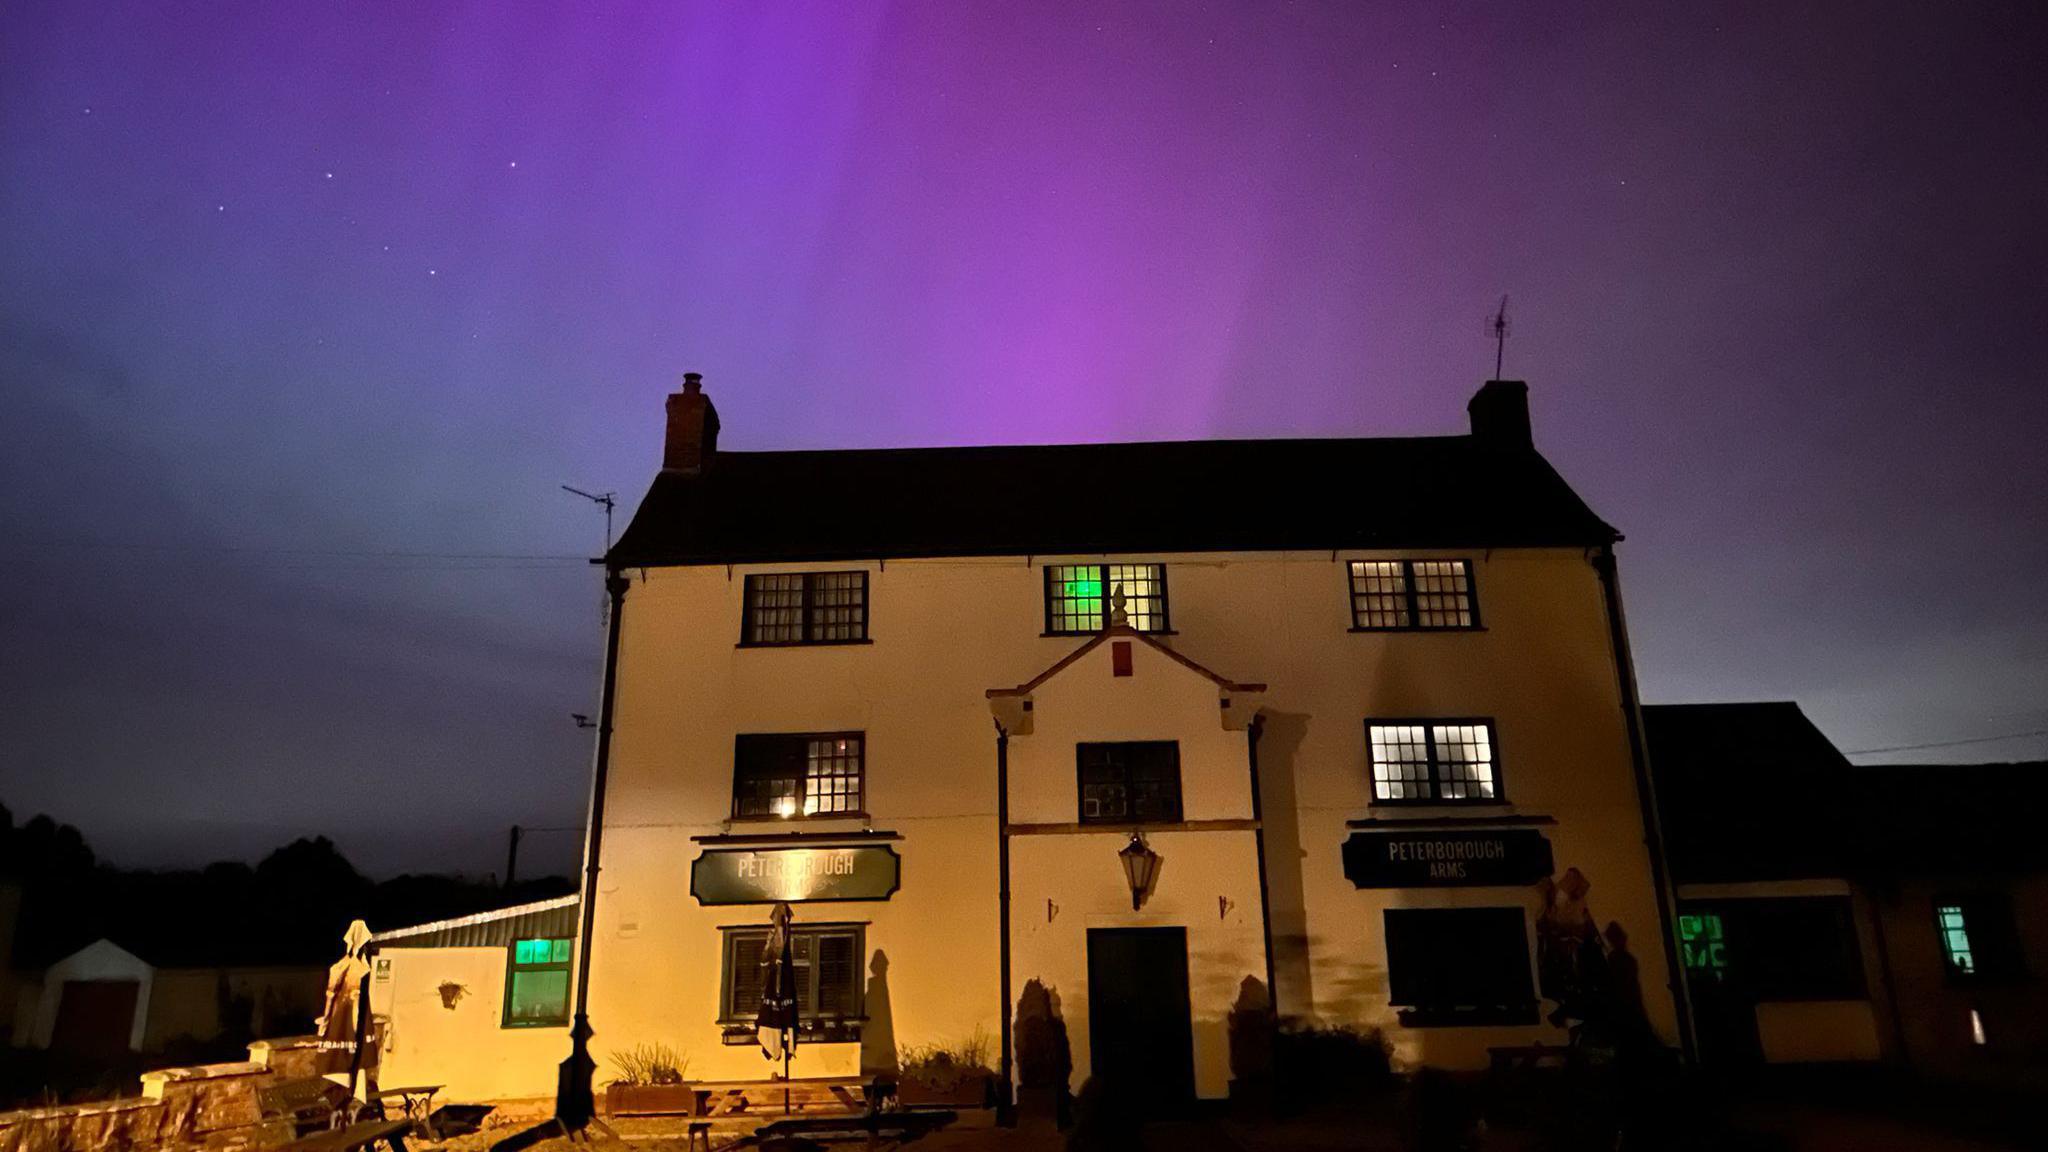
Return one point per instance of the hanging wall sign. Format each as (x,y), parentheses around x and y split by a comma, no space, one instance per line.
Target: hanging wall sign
(1435,859)
(796,875)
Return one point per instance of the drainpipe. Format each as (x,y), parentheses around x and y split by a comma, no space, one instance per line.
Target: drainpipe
(575,1101)
(1252,733)
(1006,1106)
(1653,830)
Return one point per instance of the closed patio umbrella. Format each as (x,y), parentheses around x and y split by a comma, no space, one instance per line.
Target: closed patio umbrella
(775,1025)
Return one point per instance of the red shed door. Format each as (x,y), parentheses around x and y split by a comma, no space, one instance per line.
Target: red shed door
(95,1017)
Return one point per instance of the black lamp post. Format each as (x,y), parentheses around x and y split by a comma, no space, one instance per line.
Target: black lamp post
(1141,864)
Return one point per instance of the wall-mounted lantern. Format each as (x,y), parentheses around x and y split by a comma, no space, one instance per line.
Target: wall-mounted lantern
(1141,864)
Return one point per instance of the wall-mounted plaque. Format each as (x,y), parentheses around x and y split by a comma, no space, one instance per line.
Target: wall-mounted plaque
(1435,859)
(773,875)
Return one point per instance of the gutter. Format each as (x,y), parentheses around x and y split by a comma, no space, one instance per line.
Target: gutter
(1646,795)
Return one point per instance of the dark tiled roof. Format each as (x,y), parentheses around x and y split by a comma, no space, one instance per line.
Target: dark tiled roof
(1171,496)
(1756,792)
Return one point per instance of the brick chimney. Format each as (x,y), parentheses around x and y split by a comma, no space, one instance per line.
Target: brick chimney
(692,428)
(1500,414)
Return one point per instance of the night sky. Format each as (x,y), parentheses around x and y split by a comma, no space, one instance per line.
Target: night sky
(307,309)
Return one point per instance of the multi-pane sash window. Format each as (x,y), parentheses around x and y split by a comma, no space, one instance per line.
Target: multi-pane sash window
(537,983)
(828,974)
(1412,594)
(1080,598)
(806,608)
(798,774)
(1433,761)
(1134,782)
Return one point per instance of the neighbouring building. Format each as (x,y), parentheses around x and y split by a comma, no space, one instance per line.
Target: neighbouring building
(1833,912)
(104,999)
(1156,725)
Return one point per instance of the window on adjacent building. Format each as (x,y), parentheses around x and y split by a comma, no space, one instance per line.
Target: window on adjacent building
(1133,782)
(828,960)
(806,608)
(1979,938)
(1080,598)
(794,774)
(1412,594)
(1459,966)
(1789,948)
(537,983)
(1704,940)
(1433,761)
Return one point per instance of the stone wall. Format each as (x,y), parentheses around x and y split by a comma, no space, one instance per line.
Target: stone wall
(208,1106)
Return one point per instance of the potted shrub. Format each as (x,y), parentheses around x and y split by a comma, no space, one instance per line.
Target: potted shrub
(650,1082)
(952,1075)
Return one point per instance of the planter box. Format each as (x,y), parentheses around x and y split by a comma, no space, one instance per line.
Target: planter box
(650,1099)
(961,1092)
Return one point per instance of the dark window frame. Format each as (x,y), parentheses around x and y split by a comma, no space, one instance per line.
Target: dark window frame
(1130,820)
(513,968)
(808,610)
(1429,725)
(1165,627)
(739,765)
(1414,1012)
(812,1026)
(1410,602)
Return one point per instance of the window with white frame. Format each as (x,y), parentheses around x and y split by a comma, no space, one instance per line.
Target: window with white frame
(1433,761)
(1412,595)
(1081,598)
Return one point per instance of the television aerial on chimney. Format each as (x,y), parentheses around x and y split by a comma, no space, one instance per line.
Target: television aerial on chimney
(1497,328)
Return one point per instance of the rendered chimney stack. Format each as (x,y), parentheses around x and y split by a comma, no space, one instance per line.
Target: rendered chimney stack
(1500,414)
(692,428)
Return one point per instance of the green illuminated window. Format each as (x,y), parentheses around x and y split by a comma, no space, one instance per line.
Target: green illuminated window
(1704,940)
(1080,598)
(1955,939)
(537,984)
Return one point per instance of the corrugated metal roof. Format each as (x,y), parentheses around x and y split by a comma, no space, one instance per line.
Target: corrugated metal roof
(553,919)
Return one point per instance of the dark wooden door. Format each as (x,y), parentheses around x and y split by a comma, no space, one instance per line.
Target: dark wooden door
(1140,1037)
(95,1017)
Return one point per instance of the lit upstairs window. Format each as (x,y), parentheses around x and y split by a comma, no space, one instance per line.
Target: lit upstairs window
(1081,598)
(1412,595)
(1433,762)
(793,775)
(786,608)
(1955,940)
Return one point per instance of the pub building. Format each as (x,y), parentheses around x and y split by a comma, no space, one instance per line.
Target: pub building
(1346,726)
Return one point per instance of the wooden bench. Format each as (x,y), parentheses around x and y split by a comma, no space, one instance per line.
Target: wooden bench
(900,1126)
(323,1117)
(356,1136)
(844,1094)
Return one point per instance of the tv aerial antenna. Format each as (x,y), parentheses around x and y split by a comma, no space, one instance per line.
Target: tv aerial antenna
(609,500)
(1497,328)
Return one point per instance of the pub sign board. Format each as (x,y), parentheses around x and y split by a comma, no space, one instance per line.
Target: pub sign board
(1504,856)
(795,875)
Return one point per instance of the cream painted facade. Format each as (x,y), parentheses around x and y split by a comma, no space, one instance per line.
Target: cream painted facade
(944,631)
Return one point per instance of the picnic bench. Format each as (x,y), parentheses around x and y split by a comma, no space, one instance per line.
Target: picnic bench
(321,1116)
(846,1094)
(898,1126)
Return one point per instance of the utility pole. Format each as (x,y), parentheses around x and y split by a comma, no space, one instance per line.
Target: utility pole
(512,857)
